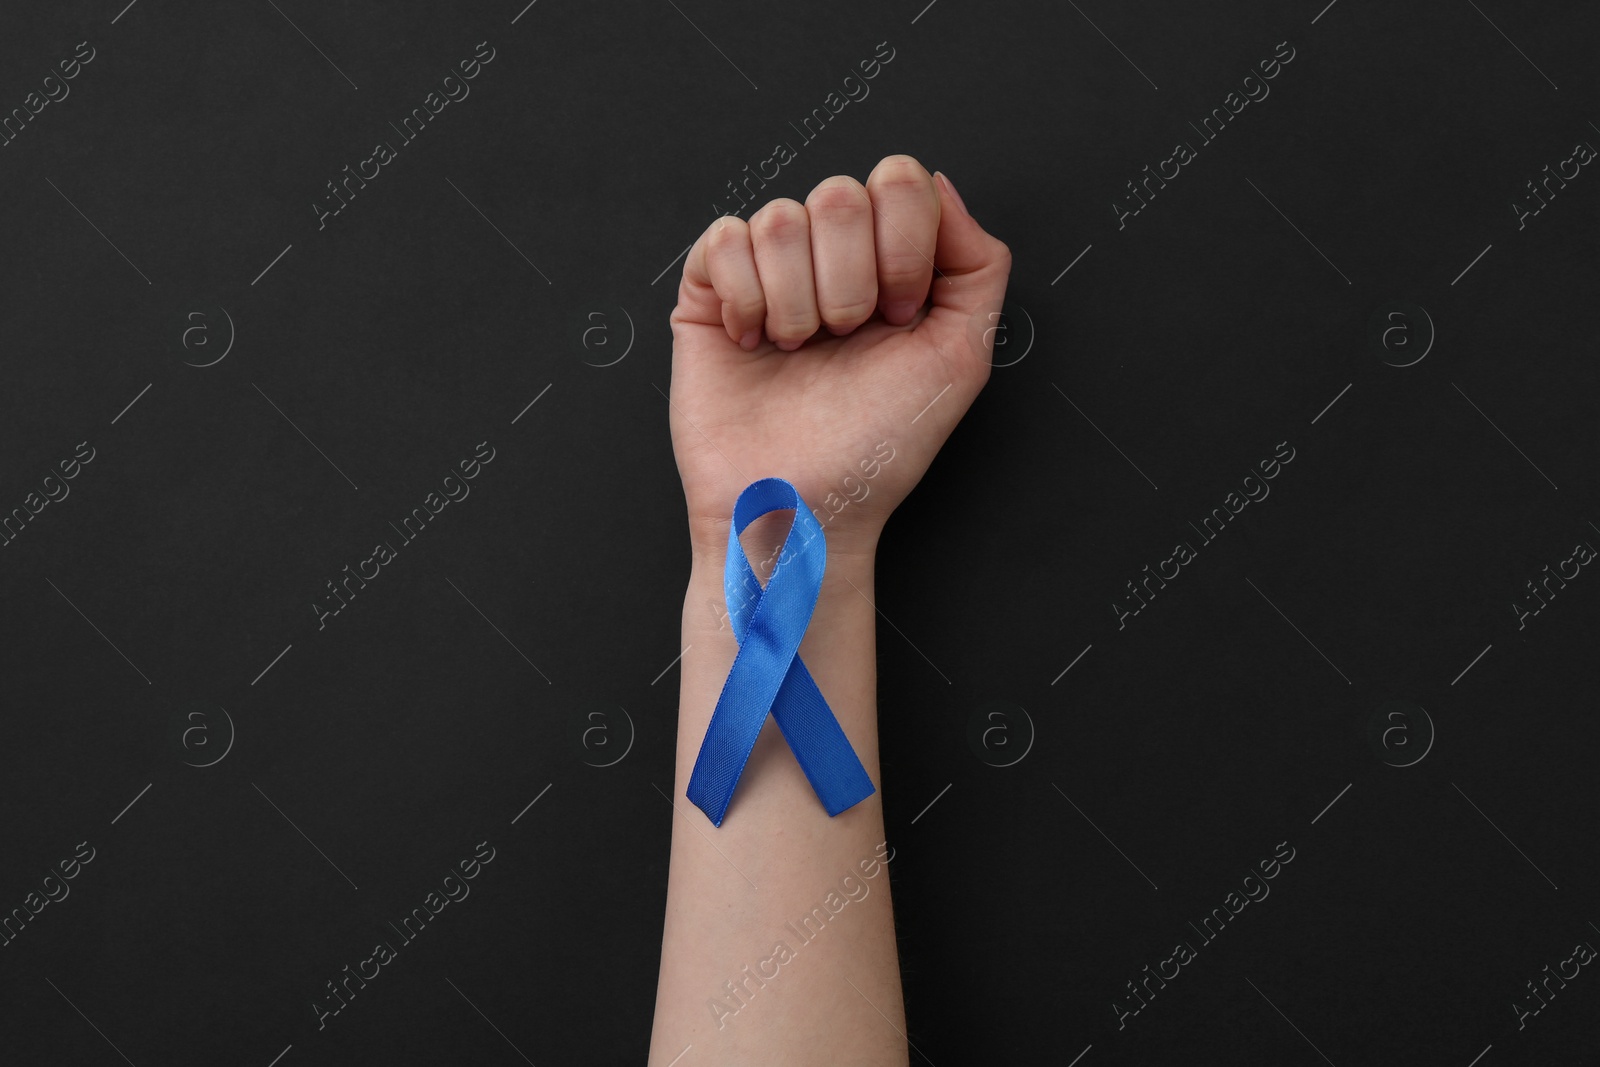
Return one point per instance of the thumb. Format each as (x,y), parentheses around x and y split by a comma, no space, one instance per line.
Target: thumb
(972,268)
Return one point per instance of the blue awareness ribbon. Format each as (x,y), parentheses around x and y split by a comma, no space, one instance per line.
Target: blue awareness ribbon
(767,673)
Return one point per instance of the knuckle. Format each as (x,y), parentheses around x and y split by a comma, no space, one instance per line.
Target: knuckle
(780,218)
(842,315)
(838,195)
(899,172)
(727,232)
(793,326)
(901,269)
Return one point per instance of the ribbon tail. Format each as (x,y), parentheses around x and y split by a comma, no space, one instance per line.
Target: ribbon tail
(819,743)
(724,752)
(758,673)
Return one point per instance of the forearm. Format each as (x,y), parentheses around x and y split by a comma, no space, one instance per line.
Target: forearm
(773,917)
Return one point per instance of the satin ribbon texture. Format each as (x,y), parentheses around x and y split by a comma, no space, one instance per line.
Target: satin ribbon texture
(767,673)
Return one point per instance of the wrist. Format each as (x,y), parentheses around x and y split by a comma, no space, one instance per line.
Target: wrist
(842,571)
(854,558)
(847,588)
(851,539)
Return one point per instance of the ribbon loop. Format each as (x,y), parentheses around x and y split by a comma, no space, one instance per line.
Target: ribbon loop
(767,673)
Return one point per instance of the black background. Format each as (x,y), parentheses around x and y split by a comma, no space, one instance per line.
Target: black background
(1233,713)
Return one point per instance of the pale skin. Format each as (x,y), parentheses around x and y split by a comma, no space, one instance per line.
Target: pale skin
(804,340)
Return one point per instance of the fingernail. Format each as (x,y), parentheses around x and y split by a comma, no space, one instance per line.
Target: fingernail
(790,346)
(951,189)
(900,312)
(749,341)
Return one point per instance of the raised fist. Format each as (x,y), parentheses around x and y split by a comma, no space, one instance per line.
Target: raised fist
(819,338)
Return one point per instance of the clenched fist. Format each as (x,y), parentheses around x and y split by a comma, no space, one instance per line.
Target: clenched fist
(818,338)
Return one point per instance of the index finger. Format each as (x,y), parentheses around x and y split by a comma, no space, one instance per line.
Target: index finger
(905,215)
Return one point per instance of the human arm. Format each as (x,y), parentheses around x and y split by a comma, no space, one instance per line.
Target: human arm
(844,362)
